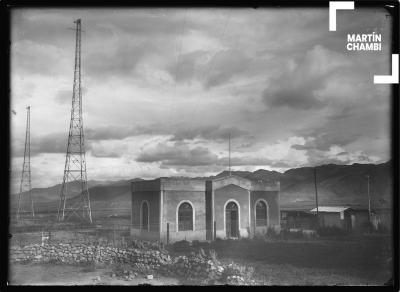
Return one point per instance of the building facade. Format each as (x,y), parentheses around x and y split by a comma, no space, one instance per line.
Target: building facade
(173,209)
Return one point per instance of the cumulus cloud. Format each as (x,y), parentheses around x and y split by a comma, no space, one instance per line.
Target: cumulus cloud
(167,86)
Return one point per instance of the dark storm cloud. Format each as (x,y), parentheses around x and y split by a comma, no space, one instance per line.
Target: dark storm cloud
(302,97)
(298,88)
(57,143)
(63,96)
(246,160)
(99,22)
(324,141)
(33,58)
(212,133)
(106,151)
(224,65)
(280,74)
(178,154)
(319,158)
(343,129)
(187,66)
(178,132)
(121,62)
(51,143)
(122,132)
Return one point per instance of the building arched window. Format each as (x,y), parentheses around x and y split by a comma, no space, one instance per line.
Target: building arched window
(261,214)
(185,217)
(145,216)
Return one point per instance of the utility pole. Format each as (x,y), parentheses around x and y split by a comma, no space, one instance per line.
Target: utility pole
(369,201)
(230,154)
(316,193)
(75,162)
(26,168)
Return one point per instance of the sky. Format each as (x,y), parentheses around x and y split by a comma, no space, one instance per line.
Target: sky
(164,87)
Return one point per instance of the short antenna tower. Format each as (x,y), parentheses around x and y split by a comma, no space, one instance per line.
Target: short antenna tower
(26,186)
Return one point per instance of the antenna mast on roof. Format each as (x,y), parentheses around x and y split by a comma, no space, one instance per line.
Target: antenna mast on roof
(369,201)
(230,154)
(316,193)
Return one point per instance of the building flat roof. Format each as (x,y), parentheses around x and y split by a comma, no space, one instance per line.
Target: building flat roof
(330,209)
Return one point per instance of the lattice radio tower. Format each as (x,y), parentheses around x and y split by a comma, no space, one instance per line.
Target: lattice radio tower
(75,163)
(25,185)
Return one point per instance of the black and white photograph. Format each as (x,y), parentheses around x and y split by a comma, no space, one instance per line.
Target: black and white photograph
(197,146)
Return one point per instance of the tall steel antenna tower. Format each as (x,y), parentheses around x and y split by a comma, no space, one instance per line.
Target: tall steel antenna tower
(26,169)
(75,162)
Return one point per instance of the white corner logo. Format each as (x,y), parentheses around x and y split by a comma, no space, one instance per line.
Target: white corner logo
(390,79)
(337,5)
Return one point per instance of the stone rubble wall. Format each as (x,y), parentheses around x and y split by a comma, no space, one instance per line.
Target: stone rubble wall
(193,266)
(86,253)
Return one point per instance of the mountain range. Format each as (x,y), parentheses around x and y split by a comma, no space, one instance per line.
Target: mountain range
(336,185)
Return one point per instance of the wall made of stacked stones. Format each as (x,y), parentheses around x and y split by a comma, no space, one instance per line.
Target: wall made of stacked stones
(86,253)
(193,266)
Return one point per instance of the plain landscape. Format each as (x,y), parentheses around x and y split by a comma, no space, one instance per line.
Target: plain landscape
(358,259)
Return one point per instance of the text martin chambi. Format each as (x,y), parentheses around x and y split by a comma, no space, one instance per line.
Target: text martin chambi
(364,42)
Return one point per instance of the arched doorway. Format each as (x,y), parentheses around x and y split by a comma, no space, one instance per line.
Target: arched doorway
(232,220)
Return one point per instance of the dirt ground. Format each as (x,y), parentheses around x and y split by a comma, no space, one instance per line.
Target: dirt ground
(51,274)
(266,274)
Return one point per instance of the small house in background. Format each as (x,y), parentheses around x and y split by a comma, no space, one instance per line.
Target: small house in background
(298,219)
(346,218)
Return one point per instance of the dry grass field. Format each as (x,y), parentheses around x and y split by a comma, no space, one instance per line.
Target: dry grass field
(353,260)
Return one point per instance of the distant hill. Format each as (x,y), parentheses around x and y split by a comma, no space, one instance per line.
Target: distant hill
(336,185)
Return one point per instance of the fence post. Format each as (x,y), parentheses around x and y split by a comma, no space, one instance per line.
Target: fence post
(167,233)
(215,230)
(114,234)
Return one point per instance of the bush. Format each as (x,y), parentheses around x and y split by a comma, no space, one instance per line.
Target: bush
(367,226)
(182,245)
(331,231)
(212,255)
(287,234)
(381,228)
(196,243)
(235,270)
(272,233)
(148,245)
